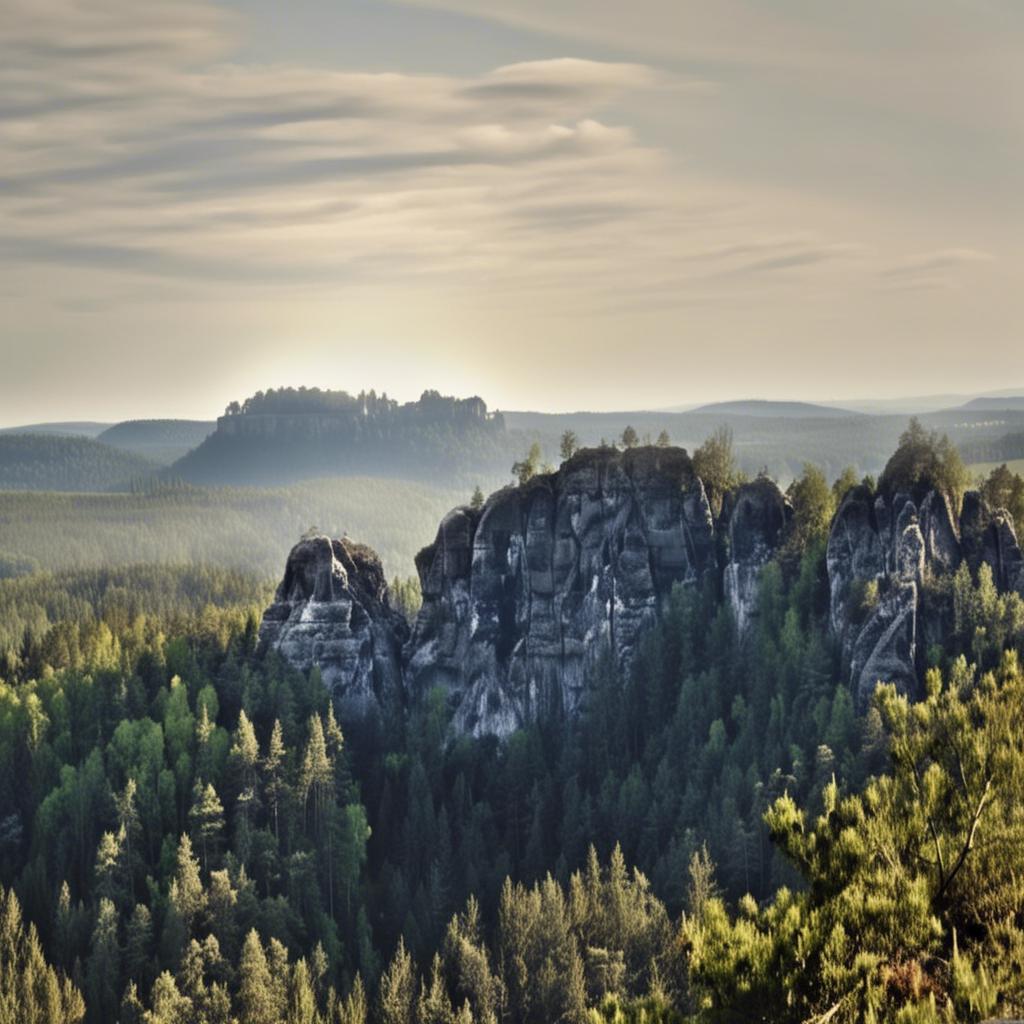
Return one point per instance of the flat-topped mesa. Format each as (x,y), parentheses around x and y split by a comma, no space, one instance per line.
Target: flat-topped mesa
(523,597)
(332,611)
(883,551)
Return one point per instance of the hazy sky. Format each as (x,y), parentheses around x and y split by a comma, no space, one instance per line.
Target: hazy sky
(551,203)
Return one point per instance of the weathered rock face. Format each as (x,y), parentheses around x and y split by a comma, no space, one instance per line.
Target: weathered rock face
(988,536)
(757,525)
(876,557)
(881,554)
(523,597)
(331,610)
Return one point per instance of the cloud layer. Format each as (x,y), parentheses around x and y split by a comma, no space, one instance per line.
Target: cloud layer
(149,175)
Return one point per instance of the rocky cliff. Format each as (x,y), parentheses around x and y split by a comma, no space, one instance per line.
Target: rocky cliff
(331,610)
(886,560)
(523,597)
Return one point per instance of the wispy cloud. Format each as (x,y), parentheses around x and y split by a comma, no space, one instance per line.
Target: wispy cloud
(669,191)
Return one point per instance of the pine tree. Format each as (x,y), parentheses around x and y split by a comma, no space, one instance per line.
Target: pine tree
(301,1000)
(104,965)
(138,945)
(273,770)
(207,819)
(31,992)
(354,1008)
(568,446)
(256,986)
(434,1006)
(108,871)
(186,891)
(398,989)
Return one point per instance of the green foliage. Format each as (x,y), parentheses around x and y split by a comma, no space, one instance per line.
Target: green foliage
(925,460)
(630,438)
(31,991)
(41,462)
(196,839)
(715,463)
(892,877)
(406,596)
(247,530)
(843,484)
(526,469)
(814,504)
(569,445)
(1005,489)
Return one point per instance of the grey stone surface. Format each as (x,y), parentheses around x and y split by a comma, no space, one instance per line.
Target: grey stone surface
(889,546)
(759,517)
(331,610)
(524,597)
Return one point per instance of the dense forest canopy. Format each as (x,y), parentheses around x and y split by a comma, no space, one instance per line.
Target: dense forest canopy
(44,462)
(187,835)
(237,528)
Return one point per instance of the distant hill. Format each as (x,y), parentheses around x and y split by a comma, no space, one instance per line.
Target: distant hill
(281,436)
(74,428)
(163,441)
(758,407)
(995,404)
(42,462)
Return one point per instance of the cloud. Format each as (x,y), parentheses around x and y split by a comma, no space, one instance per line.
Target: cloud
(938,269)
(133,144)
(166,180)
(938,259)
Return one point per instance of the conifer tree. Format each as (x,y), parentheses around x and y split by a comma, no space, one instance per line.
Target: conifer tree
(256,996)
(273,770)
(398,989)
(207,820)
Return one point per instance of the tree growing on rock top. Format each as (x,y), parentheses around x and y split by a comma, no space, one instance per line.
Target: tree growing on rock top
(526,469)
(925,460)
(715,463)
(569,445)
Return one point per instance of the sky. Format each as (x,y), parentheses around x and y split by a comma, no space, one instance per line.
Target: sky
(555,205)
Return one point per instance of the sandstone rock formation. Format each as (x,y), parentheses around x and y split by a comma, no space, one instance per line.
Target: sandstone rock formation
(757,523)
(522,598)
(989,537)
(331,610)
(882,554)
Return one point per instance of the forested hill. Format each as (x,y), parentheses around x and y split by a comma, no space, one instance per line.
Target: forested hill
(188,837)
(43,462)
(775,438)
(288,434)
(163,441)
